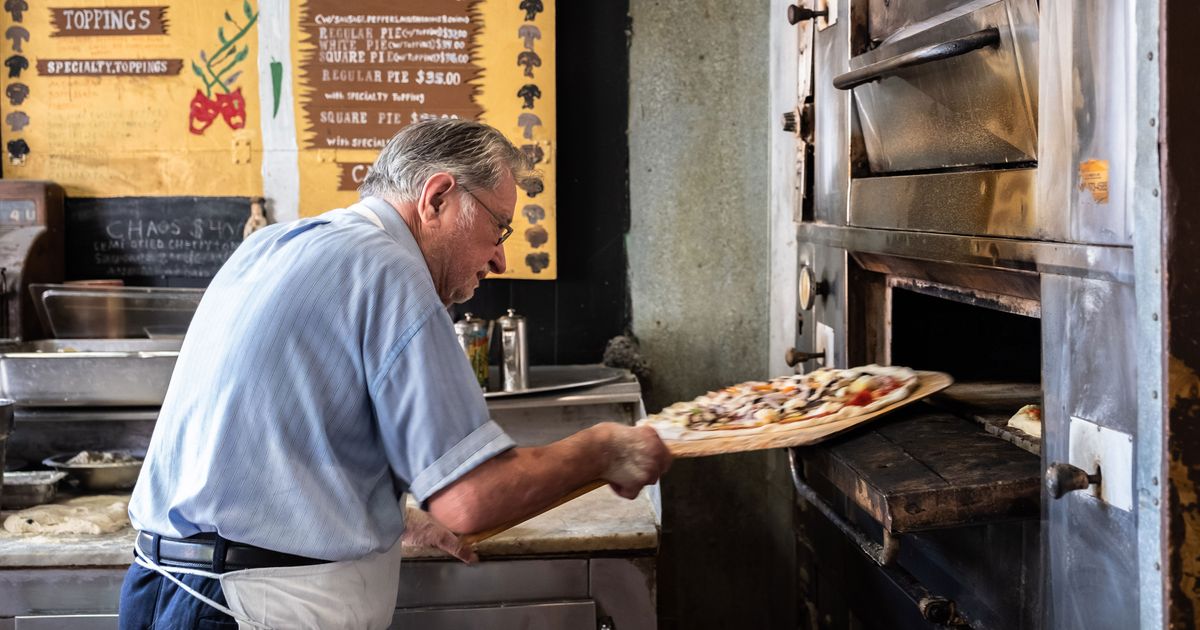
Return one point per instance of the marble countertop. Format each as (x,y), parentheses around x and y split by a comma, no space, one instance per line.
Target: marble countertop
(597,522)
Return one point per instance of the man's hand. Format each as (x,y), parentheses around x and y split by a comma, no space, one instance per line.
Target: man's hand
(637,458)
(422,530)
(524,481)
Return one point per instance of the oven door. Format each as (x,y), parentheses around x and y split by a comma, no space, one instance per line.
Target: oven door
(945,117)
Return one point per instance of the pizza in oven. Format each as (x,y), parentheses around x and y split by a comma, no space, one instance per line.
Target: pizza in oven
(818,397)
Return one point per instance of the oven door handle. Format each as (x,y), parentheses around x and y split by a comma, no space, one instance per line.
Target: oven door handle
(936,52)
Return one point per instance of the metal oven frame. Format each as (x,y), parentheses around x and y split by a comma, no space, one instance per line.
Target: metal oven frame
(1101,281)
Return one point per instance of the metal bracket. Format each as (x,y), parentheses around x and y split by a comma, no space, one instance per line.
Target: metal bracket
(933,608)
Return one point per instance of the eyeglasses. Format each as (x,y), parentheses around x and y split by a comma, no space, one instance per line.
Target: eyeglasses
(506,229)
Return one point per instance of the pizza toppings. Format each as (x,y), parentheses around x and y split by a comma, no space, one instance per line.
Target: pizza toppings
(821,395)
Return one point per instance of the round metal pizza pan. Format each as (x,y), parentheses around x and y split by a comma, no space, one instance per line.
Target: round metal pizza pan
(553,378)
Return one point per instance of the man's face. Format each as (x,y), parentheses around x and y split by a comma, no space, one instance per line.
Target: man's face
(471,253)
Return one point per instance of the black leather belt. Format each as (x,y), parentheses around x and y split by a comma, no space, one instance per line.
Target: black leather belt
(210,552)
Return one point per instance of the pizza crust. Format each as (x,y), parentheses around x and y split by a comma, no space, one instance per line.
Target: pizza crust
(101,514)
(1028,420)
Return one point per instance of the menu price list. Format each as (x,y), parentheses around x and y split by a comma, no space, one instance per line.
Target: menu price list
(370,73)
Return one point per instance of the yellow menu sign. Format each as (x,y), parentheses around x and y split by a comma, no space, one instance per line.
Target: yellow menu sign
(286,99)
(113,100)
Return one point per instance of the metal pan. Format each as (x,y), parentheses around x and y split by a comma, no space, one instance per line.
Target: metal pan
(27,489)
(107,476)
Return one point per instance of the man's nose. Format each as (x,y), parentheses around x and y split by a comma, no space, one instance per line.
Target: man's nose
(497,263)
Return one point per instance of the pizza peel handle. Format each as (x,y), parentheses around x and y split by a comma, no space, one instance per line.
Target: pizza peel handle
(473,539)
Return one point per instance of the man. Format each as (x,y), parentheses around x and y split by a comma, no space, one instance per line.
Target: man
(320,381)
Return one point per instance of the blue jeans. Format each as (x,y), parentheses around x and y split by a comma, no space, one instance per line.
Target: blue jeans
(151,601)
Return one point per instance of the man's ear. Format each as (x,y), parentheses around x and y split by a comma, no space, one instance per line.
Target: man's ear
(432,202)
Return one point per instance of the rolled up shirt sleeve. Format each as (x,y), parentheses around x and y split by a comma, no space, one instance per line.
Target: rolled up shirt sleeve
(432,417)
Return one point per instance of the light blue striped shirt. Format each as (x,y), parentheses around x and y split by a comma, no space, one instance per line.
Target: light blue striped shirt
(320,380)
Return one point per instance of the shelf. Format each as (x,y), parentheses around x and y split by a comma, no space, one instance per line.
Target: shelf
(991,404)
(924,468)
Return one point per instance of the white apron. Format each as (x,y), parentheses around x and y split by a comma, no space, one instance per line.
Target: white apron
(351,594)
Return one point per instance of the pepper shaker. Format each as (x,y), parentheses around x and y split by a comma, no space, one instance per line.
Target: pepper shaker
(473,335)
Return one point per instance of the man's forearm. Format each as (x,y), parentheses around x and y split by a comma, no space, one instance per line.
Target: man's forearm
(522,482)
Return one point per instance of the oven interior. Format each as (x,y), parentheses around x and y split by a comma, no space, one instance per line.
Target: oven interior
(950,497)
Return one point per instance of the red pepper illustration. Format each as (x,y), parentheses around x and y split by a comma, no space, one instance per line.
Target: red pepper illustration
(203,112)
(233,108)
(219,72)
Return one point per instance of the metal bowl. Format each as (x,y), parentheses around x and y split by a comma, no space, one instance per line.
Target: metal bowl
(113,476)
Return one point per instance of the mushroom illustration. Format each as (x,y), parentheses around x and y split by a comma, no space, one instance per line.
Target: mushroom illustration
(15,64)
(16,93)
(17,150)
(529,92)
(530,60)
(528,121)
(537,262)
(528,32)
(17,120)
(16,35)
(531,8)
(533,212)
(532,187)
(533,152)
(17,7)
(537,236)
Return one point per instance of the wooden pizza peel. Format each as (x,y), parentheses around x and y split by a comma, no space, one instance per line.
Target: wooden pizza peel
(928,383)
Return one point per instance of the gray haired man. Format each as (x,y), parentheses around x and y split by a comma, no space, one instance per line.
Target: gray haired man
(321,381)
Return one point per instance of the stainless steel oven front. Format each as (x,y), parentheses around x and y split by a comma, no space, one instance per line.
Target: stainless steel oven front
(984,151)
(945,117)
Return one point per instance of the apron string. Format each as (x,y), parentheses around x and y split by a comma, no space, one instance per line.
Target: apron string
(141,559)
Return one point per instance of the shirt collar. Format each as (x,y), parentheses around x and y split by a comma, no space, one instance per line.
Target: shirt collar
(393,224)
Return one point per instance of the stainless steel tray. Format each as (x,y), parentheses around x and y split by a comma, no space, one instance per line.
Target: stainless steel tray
(552,378)
(27,489)
(78,372)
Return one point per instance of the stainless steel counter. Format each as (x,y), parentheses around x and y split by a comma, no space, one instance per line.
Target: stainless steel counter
(590,559)
(599,521)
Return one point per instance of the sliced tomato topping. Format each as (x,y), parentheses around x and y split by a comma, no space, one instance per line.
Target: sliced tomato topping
(862,399)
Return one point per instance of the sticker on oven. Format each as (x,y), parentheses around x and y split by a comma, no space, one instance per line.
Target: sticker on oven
(1093,176)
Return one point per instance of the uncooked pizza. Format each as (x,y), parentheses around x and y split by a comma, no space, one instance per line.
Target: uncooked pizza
(818,397)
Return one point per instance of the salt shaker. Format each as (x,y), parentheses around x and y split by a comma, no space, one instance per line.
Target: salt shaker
(516,352)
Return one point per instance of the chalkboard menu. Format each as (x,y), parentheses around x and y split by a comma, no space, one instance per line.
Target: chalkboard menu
(141,237)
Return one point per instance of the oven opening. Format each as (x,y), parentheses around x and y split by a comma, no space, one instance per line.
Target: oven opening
(990,344)
(971,343)
(942,497)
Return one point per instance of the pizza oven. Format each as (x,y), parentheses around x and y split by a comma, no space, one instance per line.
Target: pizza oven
(963,203)
(941,503)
